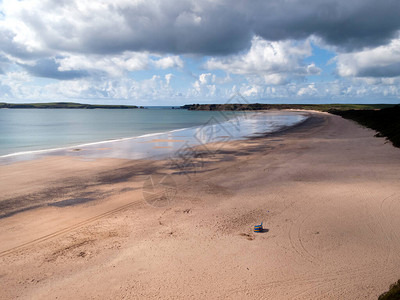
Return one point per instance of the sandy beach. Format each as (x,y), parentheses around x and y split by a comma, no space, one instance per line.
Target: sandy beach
(327,192)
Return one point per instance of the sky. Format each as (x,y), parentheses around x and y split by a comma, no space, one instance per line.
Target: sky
(174,52)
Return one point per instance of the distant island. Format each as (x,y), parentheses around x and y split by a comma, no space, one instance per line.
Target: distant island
(68,105)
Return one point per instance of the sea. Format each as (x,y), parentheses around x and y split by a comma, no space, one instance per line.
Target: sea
(127,133)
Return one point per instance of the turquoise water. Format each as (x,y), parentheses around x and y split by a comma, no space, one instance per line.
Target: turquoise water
(36,129)
(25,131)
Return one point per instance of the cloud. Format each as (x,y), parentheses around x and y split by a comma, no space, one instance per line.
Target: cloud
(325,92)
(308,90)
(346,24)
(168,62)
(73,66)
(4,64)
(106,28)
(48,67)
(157,89)
(273,61)
(264,47)
(110,65)
(37,27)
(13,86)
(382,61)
(205,85)
(168,78)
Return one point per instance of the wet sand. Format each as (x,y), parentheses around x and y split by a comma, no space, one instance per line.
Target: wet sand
(327,191)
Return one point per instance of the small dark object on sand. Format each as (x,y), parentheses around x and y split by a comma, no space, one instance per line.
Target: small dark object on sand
(258,228)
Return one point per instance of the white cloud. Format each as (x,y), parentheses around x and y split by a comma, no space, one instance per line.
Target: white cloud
(251,91)
(20,85)
(272,61)
(205,85)
(382,61)
(308,90)
(15,76)
(168,78)
(206,78)
(155,87)
(92,46)
(14,86)
(112,65)
(268,79)
(116,65)
(168,62)
(312,69)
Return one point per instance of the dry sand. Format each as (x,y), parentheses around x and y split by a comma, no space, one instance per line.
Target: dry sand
(327,191)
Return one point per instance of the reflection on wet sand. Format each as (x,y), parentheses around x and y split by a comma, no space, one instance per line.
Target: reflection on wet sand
(166,144)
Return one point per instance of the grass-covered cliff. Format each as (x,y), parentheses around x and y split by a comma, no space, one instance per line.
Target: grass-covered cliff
(385,121)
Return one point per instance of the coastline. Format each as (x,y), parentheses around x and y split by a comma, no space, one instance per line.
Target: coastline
(115,144)
(18,202)
(311,199)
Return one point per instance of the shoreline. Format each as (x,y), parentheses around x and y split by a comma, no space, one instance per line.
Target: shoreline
(311,199)
(54,160)
(63,150)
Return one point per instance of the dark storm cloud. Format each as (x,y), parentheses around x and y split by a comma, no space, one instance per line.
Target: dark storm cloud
(38,31)
(349,24)
(392,70)
(49,68)
(155,26)
(208,27)
(181,27)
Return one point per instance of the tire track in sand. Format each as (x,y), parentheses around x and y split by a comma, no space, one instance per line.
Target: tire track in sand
(68,229)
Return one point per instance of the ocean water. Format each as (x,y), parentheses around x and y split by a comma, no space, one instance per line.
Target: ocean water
(31,133)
